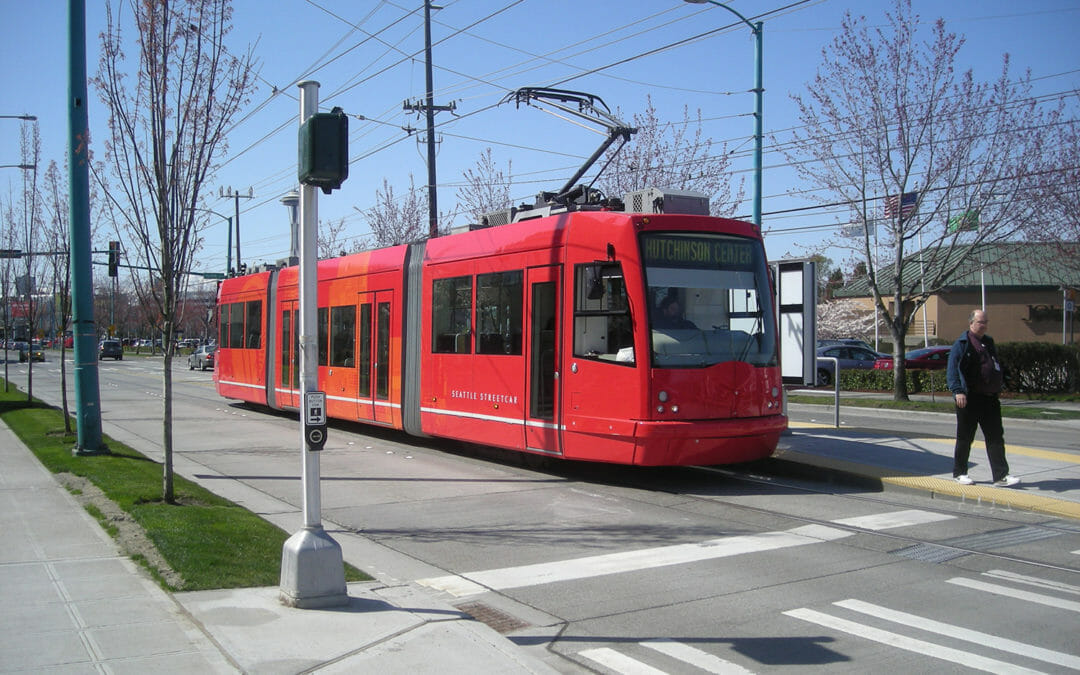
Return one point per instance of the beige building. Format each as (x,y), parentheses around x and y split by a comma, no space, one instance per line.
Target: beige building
(1027,287)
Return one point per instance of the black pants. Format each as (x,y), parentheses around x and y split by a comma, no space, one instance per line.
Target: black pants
(985,412)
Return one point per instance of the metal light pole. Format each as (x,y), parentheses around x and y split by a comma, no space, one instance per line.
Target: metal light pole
(759,91)
(312,566)
(84,330)
(228,236)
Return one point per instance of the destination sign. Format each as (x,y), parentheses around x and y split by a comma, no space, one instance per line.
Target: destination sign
(702,253)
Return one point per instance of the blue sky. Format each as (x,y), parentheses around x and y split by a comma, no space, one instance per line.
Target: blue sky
(485,48)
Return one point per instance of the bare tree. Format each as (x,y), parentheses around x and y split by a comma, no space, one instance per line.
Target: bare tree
(920,152)
(56,234)
(333,240)
(1060,193)
(673,155)
(486,189)
(27,220)
(166,132)
(396,221)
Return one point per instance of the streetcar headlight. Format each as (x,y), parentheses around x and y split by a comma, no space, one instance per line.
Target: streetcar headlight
(775,392)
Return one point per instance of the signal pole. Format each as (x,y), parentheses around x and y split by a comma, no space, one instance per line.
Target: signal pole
(429,108)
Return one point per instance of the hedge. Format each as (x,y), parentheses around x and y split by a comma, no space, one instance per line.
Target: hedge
(1030,368)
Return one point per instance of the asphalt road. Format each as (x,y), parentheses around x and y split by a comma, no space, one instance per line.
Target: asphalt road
(613,569)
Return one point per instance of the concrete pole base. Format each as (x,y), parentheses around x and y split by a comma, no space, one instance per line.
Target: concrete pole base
(312,571)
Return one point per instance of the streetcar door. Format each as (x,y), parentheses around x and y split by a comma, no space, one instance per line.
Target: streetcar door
(375,373)
(542,361)
(288,385)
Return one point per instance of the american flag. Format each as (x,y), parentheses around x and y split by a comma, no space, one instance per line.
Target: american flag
(903,204)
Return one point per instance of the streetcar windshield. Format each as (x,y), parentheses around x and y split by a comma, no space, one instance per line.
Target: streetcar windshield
(709,300)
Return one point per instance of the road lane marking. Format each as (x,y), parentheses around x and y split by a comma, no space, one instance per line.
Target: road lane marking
(1049,601)
(957,656)
(620,663)
(698,658)
(965,634)
(885,521)
(1058,586)
(629,561)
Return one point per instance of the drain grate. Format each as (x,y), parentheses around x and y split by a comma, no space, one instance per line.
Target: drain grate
(931,553)
(1003,538)
(495,618)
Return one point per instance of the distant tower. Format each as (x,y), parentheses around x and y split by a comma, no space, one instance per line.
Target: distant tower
(292,203)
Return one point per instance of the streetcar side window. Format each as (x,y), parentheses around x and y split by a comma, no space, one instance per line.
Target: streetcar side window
(498,313)
(451,315)
(236,325)
(343,336)
(254,324)
(324,337)
(602,325)
(223,325)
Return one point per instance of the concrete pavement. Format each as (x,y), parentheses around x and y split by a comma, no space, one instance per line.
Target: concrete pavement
(71,601)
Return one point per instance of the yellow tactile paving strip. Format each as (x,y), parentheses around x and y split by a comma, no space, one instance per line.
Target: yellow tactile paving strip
(1016,498)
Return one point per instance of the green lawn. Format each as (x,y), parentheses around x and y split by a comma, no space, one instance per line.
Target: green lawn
(208,541)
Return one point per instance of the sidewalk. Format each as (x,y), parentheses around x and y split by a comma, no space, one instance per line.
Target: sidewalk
(71,601)
(919,461)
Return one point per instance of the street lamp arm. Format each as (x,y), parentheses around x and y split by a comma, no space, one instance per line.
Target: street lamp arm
(753,26)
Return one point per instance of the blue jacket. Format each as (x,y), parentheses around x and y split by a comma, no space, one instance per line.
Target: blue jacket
(964,362)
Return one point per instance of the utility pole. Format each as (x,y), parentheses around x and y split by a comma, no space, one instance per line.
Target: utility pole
(429,108)
(229,193)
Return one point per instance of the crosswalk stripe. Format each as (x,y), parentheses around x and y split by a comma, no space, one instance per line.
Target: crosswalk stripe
(1033,581)
(473,583)
(1047,600)
(965,634)
(698,658)
(620,663)
(885,521)
(957,656)
(630,561)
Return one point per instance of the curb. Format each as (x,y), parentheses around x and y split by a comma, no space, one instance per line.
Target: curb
(882,479)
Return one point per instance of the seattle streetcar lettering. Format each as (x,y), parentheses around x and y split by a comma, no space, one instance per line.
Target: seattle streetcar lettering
(487,397)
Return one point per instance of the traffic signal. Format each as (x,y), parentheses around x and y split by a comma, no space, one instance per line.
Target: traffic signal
(324,150)
(114,257)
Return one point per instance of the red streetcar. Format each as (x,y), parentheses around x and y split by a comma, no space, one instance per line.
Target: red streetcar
(584,333)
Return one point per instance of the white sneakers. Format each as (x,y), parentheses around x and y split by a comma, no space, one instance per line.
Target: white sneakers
(1007,481)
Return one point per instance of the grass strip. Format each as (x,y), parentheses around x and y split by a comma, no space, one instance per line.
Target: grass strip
(208,541)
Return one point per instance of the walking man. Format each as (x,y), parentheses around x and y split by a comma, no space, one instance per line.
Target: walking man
(975,378)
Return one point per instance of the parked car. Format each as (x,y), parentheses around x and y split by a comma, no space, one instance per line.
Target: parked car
(202,358)
(849,356)
(853,342)
(34,352)
(929,358)
(110,349)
